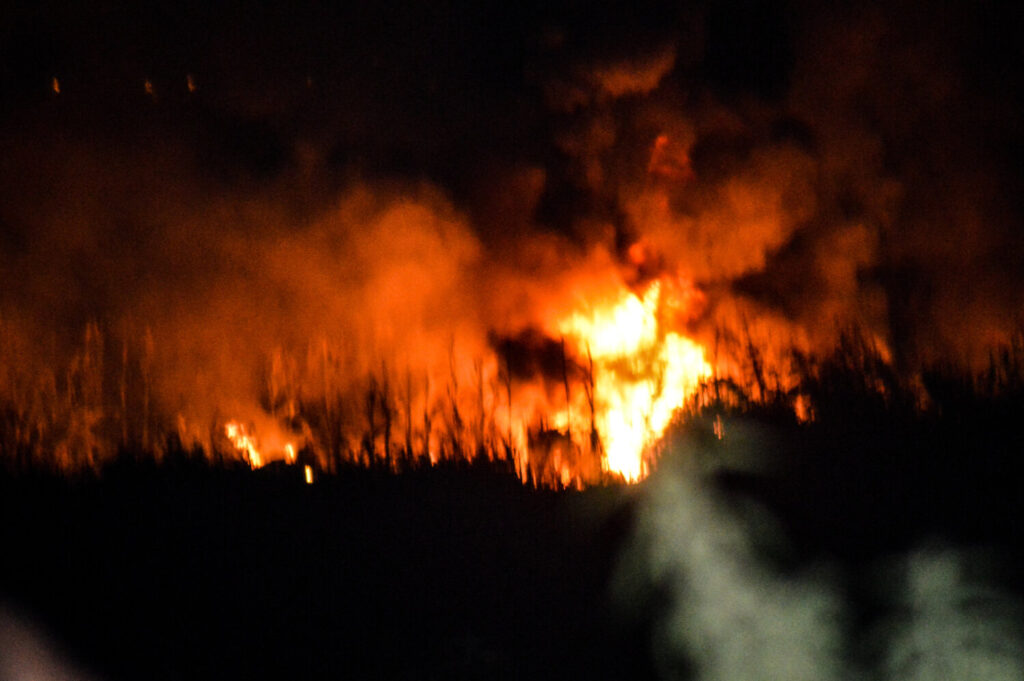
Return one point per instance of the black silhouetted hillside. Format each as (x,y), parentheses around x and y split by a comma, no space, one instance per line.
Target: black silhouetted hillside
(206,573)
(195,569)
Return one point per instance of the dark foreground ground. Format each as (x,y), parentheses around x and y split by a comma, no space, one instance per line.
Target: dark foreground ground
(192,572)
(213,574)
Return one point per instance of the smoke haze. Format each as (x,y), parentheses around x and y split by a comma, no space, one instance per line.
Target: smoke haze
(730,600)
(217,185)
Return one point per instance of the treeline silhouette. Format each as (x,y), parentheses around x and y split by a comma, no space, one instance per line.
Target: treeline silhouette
(861,457)
(104,403)
(190,565)
(101,408)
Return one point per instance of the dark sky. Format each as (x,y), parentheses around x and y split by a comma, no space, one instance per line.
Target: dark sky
(858,162)
(434,89)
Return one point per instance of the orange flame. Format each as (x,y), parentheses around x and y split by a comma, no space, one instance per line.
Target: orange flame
(244,443)
(261,442)
(641,375)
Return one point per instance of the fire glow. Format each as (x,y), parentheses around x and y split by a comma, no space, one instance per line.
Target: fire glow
(379,345)
(257,454)
(244,443)
(637,374)
(641,375)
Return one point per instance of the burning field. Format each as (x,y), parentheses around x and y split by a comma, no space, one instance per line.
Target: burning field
(410,256)
(343,266)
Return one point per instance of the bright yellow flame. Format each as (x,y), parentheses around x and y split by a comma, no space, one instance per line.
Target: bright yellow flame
(244,442)
(642,375)
(309,474)
(248,445)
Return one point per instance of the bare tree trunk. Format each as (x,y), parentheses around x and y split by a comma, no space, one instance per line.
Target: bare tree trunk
(123,385)
(408,414)
(146,367)
(508,396)
(588,386)
(756,364)
(387,411)
(370,437)
(427,425)
(455,430)
(480,448)
(565,383)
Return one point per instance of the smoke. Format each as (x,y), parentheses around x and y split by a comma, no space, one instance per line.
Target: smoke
(729,599)
(813,170)
(729,613)
(27,654)
(243,200)
(952,621)
(221,299)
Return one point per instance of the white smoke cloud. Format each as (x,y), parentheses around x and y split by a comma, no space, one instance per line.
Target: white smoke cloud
(950,624)
(28,654)
(730,613)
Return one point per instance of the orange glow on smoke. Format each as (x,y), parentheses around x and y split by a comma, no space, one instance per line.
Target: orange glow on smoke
(670,160)
(642,373)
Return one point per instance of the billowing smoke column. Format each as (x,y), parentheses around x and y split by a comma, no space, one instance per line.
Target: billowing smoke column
(352,225)
(730,605)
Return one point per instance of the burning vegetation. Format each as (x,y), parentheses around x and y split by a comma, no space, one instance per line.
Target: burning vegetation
(306,308)
(387,258)
(384,332)
(582,402)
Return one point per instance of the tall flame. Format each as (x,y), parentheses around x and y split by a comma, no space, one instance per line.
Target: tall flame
(244,443)
(262,440)
(642,374)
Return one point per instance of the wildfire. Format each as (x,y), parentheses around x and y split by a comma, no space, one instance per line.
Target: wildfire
(262,440)
(244,443)
(641,374)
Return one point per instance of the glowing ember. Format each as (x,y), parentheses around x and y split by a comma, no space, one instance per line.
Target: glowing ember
(641,375)
(308,470)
